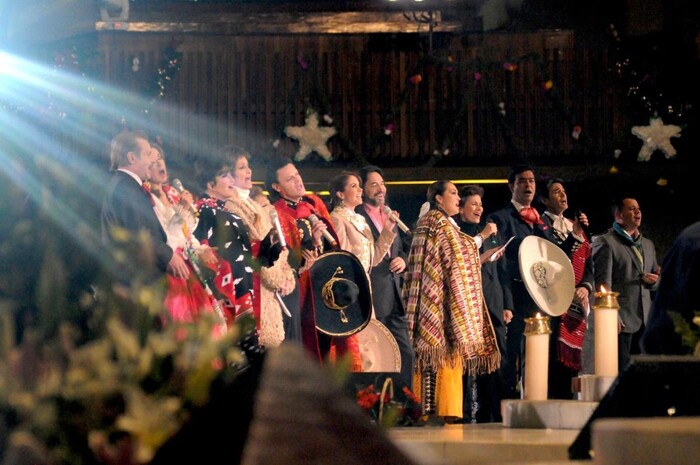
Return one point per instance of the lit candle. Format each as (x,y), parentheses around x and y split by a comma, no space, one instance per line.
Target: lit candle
(606,309)
(537,333)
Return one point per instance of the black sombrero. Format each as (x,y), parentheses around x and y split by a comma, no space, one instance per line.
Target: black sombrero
(341,294)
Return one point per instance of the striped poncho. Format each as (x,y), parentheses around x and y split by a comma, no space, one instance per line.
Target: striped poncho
(447,317)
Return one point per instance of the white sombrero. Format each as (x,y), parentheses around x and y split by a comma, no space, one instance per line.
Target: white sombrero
(378,349)
(547,274)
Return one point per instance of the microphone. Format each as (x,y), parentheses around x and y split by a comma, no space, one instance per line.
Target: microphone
(276,222)
(396,220)
(583,226)
(327,235)
(494,235)
(177,184)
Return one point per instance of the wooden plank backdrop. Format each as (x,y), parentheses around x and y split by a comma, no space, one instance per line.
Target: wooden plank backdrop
(481,100)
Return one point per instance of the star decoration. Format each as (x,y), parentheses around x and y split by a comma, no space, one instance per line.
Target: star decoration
(311,137)
(656,136)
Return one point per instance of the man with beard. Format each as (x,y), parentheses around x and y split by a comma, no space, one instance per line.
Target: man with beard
(386,276)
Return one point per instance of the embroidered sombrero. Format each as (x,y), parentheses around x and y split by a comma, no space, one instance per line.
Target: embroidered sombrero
(547,274)
(378,349)
(341,294)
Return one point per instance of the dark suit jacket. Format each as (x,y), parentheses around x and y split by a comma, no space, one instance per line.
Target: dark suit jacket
(126,205)
(617,267)
(386,286)
(510,225)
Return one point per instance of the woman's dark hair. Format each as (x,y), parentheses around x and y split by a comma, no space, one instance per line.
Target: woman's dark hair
(256,191)
(435,189)
(273,166)
(468,191)
(208,167)
(338,183)
(234,152)
(160,150)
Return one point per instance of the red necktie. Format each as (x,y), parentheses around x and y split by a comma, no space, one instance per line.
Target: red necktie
(530,216)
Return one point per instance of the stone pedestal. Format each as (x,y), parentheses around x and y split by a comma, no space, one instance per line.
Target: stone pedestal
(554,414)
(646,441)
(593,387)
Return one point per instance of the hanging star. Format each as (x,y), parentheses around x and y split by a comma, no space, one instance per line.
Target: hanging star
(656,136)
(311,137)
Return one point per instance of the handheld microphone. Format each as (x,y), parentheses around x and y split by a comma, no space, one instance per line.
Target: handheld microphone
(177,184)
(276,222)
(583,226)
(327,235)
(402,226)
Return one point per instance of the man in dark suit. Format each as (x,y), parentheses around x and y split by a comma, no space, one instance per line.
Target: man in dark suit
(127,206)
(625,262)
(386,276)
(518,220)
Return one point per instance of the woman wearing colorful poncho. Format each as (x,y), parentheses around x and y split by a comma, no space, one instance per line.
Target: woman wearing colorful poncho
(448,321)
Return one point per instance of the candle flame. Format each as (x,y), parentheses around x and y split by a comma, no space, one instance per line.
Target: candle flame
(538,315)
(603,289)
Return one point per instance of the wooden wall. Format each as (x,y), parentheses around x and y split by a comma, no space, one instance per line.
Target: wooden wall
(245,89)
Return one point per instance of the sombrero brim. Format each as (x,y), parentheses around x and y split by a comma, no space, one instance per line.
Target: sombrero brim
(378,349)
(557,297)
(328,320)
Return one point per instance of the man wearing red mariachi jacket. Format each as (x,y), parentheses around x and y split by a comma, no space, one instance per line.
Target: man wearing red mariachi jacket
(305,240)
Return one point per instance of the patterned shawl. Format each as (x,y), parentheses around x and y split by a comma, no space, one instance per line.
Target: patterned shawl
(447,316)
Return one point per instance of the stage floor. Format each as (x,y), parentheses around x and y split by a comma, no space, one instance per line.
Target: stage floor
(485,444)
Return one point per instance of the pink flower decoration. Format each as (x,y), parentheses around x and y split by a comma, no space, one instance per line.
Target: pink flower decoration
(415,79)
(303,62)
(477,76)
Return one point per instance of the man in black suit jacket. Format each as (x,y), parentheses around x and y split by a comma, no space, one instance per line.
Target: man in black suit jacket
(129,207)
(386,276)
(518,220)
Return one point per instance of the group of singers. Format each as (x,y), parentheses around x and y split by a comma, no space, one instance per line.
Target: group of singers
(446,299)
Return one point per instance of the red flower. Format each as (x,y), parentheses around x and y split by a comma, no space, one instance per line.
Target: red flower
(367,398)
(415,79)
(410,395)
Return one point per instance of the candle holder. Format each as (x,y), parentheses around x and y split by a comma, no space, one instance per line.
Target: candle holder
(537,325)
(606,299)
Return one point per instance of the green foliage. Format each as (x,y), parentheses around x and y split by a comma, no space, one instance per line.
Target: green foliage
(690,334)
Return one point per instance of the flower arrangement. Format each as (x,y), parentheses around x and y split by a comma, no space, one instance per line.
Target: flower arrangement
(387,411)
(113,385)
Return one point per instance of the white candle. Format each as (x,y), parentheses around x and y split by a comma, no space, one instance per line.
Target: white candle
(606,309)
(536,357)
